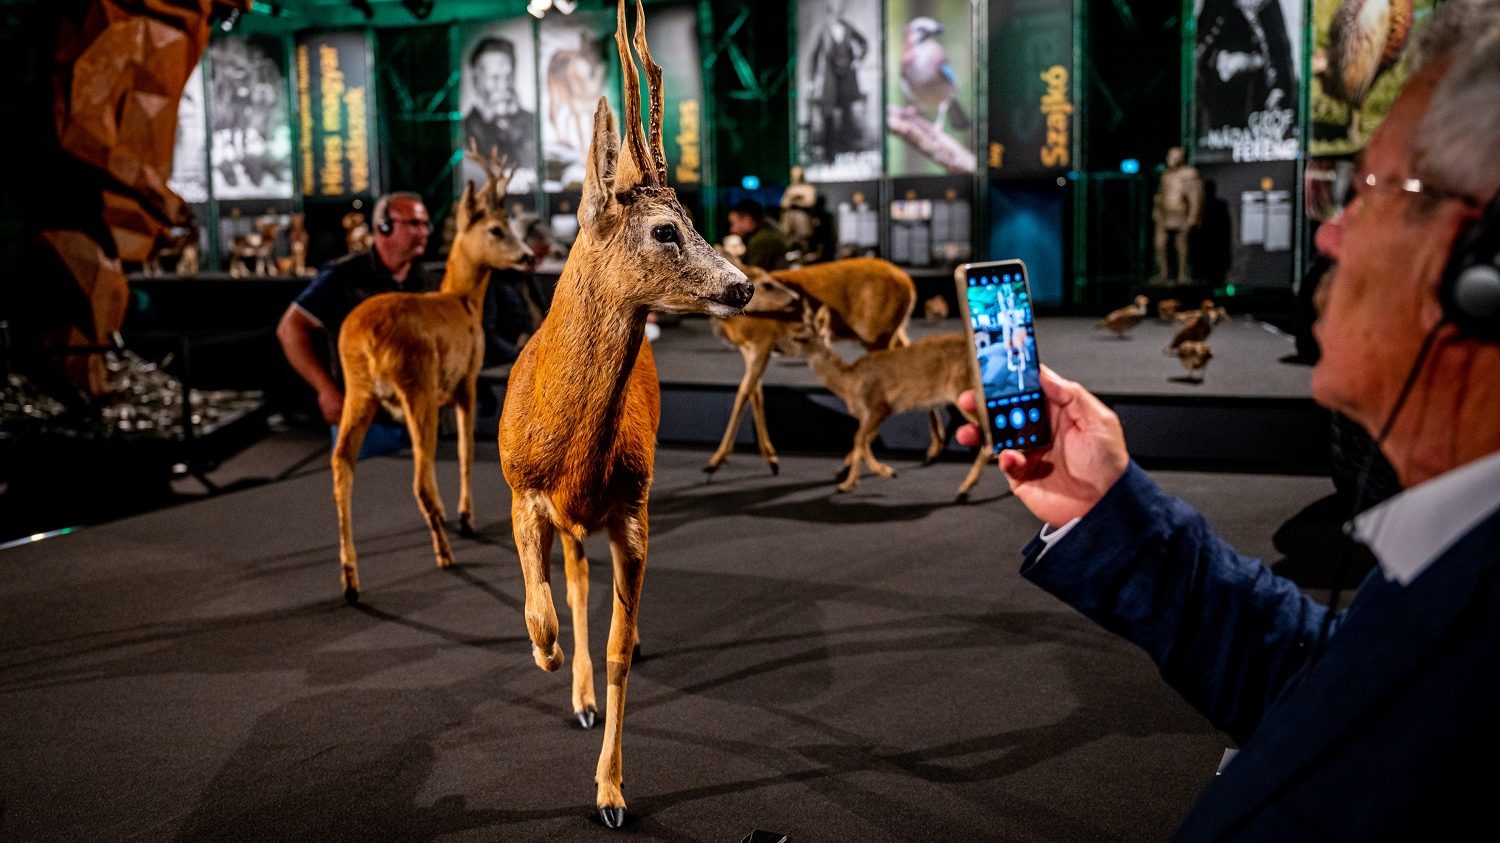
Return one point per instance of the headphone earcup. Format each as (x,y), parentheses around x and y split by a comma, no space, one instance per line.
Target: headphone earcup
(385,226)
(1470,291)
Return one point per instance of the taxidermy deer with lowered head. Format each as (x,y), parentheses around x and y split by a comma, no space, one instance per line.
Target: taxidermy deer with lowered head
(578,431)
(417,352)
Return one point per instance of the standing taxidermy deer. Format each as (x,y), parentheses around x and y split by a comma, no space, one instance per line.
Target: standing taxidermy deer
(417,352)
(578,432)
(871,301)
(927,375)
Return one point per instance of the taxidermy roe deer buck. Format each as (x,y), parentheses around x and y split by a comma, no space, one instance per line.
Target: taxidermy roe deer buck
(927,375)
(870,300)
(578,431)
(417,352)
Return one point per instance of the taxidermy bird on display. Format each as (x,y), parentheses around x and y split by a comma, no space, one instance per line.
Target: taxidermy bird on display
(1197,324)
(1365,39)
(1194,356)
(927,77)
(1121,320)
(1166,309)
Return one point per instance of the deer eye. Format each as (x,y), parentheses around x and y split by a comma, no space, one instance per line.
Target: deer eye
(497,232)
(665,233)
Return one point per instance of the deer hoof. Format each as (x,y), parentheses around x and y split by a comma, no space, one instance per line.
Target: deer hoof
(586,718)
(351,595)
(963,497)
(707,469)
(775,469)
(635,653)
(466,526)
(611,817)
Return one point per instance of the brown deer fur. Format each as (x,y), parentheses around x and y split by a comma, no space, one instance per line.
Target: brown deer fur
(871,301)
(926,375)
(578,431)
(417,352)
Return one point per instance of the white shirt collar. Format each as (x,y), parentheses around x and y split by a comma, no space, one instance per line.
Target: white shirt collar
(1409,531)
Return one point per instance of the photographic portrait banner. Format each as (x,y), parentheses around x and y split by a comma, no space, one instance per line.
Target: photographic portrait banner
(930,84)
(189,177)
(577,65)
(838,89)
(251,147)
(498,97)
(1246,64)
(337,141)
(674,33)
(1031,120)
(1350,96)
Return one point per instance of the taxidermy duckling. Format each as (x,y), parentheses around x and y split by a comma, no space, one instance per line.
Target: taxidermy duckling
(1122,320)
(1197,324)
(1194,356)
(1166,309)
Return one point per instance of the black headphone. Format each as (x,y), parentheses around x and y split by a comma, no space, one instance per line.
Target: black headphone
(385,225)
(1470,289)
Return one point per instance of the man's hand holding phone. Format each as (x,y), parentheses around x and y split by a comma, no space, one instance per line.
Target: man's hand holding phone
(1086,457)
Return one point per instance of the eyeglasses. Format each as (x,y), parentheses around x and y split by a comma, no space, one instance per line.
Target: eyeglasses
(1370,181)
(414,222)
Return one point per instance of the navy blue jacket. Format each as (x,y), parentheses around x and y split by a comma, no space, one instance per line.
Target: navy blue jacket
(1390,735)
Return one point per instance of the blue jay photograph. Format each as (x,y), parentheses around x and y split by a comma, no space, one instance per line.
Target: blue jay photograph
(930,86)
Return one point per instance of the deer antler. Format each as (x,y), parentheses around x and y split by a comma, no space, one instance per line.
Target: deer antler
(498,170)
(633,168)
(653,87)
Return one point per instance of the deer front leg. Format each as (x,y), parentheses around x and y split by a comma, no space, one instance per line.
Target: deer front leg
(577,569)
(869,429)
(762,435)
(939,439)
(627,545)
(422,423)
(748,384)
(532,528)
(982,457)
(856,456)
(463,410)
(359,411)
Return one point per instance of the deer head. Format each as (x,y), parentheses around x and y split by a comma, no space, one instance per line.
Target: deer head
(484,235)
(815,334)
(636,243)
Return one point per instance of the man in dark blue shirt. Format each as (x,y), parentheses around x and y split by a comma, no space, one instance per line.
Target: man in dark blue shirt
(309,329)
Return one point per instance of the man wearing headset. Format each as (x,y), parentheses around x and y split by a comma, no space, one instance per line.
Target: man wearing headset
(309,329)
(1380,722)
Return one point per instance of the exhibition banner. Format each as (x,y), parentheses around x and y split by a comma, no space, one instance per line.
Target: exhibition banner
(189,177)
(498,97)
(1031,119)
(251,148)
(578,64)
(838,89)
(1248,230)
(1358,67)
(1247,62)
(930,81)
(673,34)
(335,111)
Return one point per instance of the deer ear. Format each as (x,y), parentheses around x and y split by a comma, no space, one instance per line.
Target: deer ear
(599,175)
(821,321)
(468,207)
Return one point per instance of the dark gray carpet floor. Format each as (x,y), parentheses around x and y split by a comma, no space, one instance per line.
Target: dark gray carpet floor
(832,667)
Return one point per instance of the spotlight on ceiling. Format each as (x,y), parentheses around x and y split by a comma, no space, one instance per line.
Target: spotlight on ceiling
(420,9)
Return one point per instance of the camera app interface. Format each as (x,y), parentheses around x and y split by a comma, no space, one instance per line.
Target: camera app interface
(1005,343)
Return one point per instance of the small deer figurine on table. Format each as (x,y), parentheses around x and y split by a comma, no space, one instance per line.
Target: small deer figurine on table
(578,431)
(417,352)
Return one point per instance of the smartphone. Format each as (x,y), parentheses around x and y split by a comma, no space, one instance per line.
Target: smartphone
(996,300)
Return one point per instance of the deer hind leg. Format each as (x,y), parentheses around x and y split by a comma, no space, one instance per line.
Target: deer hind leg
(585,706)
(755,367)
(982,456)
(870,429)
(422,422)
(627,544)
(532,528)
(463,409)
(359,412)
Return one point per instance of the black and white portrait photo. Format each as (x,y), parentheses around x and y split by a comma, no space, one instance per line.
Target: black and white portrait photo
(1246,63)
(498,100)
(838,101)
(252,132)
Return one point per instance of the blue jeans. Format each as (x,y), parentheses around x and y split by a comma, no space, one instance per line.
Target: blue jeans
(380,439)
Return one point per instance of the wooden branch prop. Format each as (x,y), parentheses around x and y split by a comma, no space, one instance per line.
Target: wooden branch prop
(906,123)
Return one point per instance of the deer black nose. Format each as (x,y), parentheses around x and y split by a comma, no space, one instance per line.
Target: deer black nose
(738,294)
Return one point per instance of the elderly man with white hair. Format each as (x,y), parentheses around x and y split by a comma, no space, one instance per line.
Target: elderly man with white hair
(1381,722)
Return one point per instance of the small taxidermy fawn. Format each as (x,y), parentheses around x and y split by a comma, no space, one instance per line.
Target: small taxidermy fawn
(417,352)
(578,431)
(928,374)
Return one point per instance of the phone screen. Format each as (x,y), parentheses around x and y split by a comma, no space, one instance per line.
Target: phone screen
(998,301)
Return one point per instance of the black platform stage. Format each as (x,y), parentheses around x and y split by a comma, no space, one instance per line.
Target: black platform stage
(833,667)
